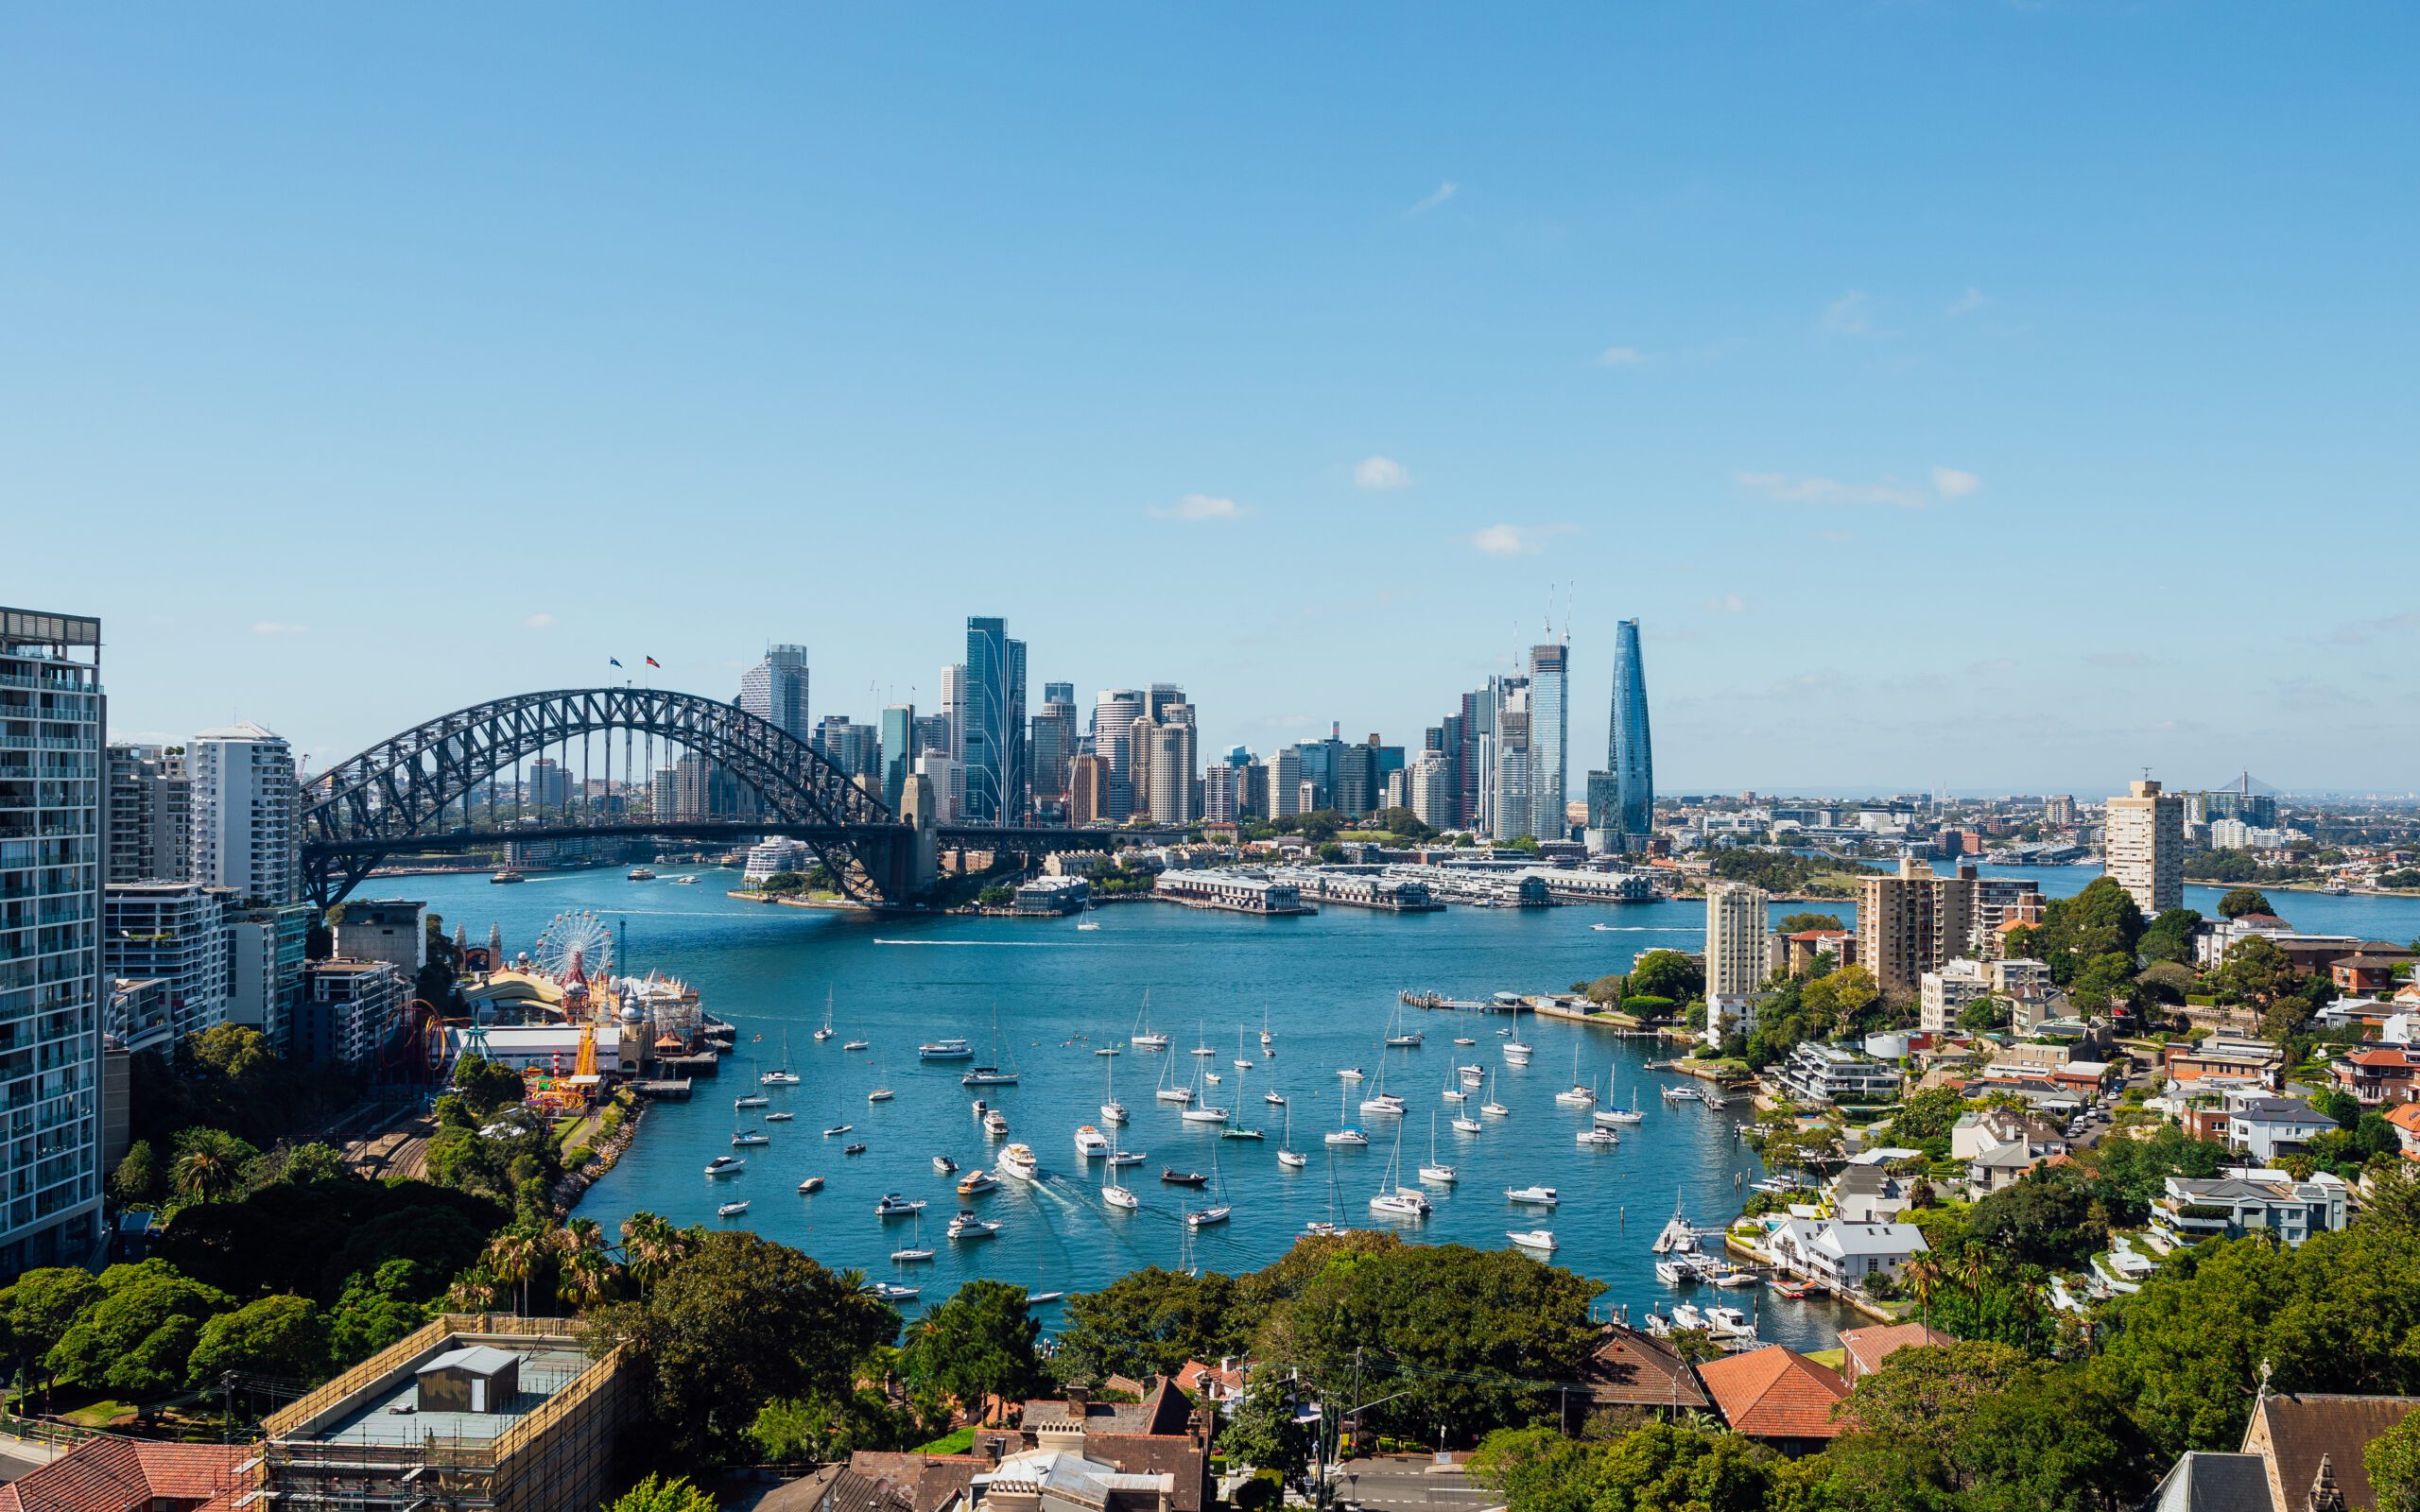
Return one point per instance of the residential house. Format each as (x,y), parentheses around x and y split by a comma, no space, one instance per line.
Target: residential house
(2223,1058)
(1162,1433)
(1983,1128)
(2378,1075)
(1061,1475)
(1865,1192)
(2405,1120)
(1221,1384)
(1862,1350)
(2311,1442)
(1630,1368)
(2365,975)
(2267,1127)
(899,1482)
(2246,1201)
(1819,1073)
(1844,1255)
(136,1475)
(1778,1396)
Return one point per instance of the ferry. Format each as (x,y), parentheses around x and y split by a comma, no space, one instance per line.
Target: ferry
(1541,1240)
(640,874)
(503,877)
(975,1183)
(945,1050)
(724,1165)
(1018,1161)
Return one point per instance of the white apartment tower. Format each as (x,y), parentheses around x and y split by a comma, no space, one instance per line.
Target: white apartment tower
(52,994)
(2145,843)
(1736,952)
(245,834)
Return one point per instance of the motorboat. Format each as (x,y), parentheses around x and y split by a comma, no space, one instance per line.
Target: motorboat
(880,1094)
(838,1129)
(1534,1197)
(685,882)
(1120,1160)
(1672,1273)
(857,1045)
(778,1078)
(751,1100)
(724,1165)
(1091,1142)
(1243,1134)
(746,1138)
(1686,1315)
(976,1182)
(639,874)
(1596,1139)
(853,1149)
(783,1116)
(1732,1278)
(995,1125)
(810,1186)
(1472,1076)
(1404,1041)
(1106,1050)
(1018,1161)
(1322,1229)
(732,1210)
(1204,1217)
(894,1206)
(896,1294)
(945,1050)
(1728,1323)
(1349,1073)
(1576,1097)
(1680,1094)
(944,1165)
(1541,1240)
(969,1224)
(1185,1178)
(1213,1078)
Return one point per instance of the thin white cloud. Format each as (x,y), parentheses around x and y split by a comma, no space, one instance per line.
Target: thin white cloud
(1380,473)
(1968,303)
(1515,540)
(2361,632)
(1998,663)
(1851,315)
(1439,196)
(2116,659)
(276,627)
(1726,604)
(1951,482)
(1621,357)
(540,622)
(1198,507)
(1783,487)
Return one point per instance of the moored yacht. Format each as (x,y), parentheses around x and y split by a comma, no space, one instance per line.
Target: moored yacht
(1535,1196)
(1541,1240)
(1018,1161)
(1091,1142)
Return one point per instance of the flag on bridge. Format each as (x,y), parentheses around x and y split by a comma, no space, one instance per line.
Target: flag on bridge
(613,661)
(653,663)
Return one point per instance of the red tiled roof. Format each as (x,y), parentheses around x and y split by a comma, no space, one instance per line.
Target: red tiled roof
(121,1474)
(922,1482)
(1870,1347)
(2393,1055)
(1775,1393)
(2405,1116)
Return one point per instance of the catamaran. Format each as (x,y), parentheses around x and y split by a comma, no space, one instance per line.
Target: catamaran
(1143,1038)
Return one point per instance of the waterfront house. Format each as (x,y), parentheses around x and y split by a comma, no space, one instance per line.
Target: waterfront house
(1819,1073)
(2249,1200)
(1844,1255)
(1635,1370)
(2378,1075)
(1778,1396)
(1862,1350)
(1865,1192)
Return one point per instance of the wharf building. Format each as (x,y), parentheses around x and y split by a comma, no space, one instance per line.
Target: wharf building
(150,802)
(245,805)
(1242,892)
(2145,843)
(52,990)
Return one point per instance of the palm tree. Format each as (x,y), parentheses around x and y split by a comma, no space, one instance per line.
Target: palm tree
(513,1256)
(477,1290)
(648,1243)
(1922,1273)
(1975,1261)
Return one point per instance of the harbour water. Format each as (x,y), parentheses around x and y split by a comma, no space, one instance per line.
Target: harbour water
(1327,985)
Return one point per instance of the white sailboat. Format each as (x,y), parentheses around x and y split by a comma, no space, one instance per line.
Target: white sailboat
(1621,1115)
(781,1075)
(1220,1210)
(825,1033)
(1241,1064)
(914,1252)
(1288,1157)
(997,1073)
(1382,1100)
(1582,1094)
(1267,1040)
(1171,1090)
(1394,1199)
(1435,1171)
(1491,1108)
(1198,1112)
(1113,1112)
(1345,1133)
(1143,1038)
(1329,1224)
(1112,1191)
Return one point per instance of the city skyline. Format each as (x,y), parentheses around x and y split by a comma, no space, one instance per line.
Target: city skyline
(868,318)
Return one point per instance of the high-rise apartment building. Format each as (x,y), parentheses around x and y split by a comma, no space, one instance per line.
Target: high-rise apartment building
(1220,784)
(1053,748)
(898,750)
(245,830)
(2059,809)
(1911,922)
(1173,765)
(174,933)
(1736,952)
(1114,711)
(1631,750)
(549,785)
(1550,740)
(996,773)
(1605,820)
(774,689)
(266,951)
(1432,790)
(52,991)
(2145,843)
(1505,751)
(1088,791)
(1470,766)
(150,802)
(1163,697)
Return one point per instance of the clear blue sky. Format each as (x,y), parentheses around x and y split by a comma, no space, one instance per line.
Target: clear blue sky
(2002,396)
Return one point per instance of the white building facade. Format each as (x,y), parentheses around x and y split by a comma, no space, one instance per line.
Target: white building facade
(244,804)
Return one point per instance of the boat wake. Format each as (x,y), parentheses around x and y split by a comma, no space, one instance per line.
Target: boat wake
(1000,944)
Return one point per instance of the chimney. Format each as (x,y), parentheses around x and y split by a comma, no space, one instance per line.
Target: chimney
(991,1448)
(1079,1399)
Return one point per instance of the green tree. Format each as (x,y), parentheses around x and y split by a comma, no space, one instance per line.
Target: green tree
(1659,1468)
(1924,1393)
(137,1179)
(1926,1116)
(43,1304)
(2392,1460)
(209,1164)
(1148,1322)
(282,1336)
(2255,973)
(2170,937)
(137,1335)
(2241,901)
(977,1346)
(375,1311)
(656,1494)
(1800,923)
(1842,999)
(1667,974)
(1265,1431)
(2103,982)
(743,1321)
(486,1086)
(234,1053)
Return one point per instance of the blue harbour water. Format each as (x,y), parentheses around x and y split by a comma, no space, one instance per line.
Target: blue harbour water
(1327,985)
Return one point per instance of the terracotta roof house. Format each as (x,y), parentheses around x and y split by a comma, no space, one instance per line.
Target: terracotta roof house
(1630,1368)
(1776,1394)
(2405,1120)
(132,1475)
(1862,1350)
(2304,1439)
(1164,1410)
(922,1483)
(1160,1434)
(1222,1383)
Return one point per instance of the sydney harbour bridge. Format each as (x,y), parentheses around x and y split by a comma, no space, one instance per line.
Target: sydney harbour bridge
(434,788)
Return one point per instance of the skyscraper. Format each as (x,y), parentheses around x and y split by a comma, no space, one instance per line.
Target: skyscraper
(1505,753)
(2146,846)
(774,689)
(52,994)
(1735,939)
(1173,760)
(1550,740)
(1114,711)
(243,802)
(954,710)
(150,801)
(997,781)
(898,750)
(1631,755)
(1053,748)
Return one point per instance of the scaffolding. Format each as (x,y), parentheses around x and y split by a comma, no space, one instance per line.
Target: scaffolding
(317,1455)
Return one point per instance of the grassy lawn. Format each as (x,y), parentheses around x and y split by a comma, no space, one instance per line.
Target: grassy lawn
(1834,1358)
(961,1442)
(100,1414)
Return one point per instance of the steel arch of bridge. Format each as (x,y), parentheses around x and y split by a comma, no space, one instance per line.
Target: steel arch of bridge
(395,794)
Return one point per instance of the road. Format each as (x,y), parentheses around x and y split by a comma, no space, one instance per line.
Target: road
(1408,1484)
